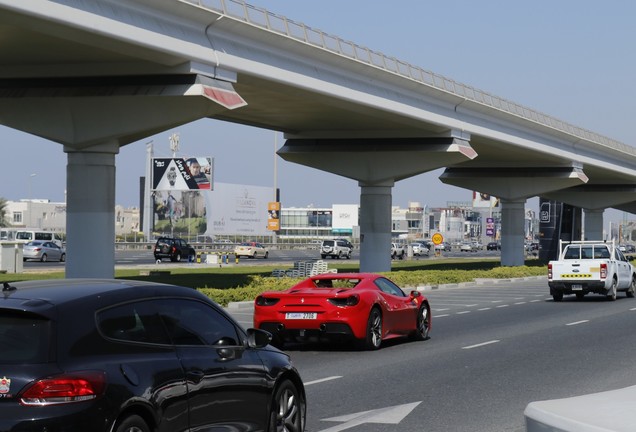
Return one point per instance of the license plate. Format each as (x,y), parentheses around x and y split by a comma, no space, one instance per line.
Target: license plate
(301,315)
(577,287)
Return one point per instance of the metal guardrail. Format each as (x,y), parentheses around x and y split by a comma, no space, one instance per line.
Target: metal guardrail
(260,17)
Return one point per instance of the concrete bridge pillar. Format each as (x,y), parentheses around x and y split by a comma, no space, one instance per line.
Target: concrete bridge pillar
(512,232)
(593,224)
(90,211)
(375,227)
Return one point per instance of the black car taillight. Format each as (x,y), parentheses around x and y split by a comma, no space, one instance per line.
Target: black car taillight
(266,301)
(351,300)
(67,388)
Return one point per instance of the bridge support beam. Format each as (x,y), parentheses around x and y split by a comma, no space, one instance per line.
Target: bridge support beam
(512,232)
(593,224)
(377,163)
(90,211)
(375,227)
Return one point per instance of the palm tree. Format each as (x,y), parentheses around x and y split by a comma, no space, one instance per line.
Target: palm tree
(3,213)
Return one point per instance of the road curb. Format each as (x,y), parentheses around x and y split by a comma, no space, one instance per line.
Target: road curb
(476,282)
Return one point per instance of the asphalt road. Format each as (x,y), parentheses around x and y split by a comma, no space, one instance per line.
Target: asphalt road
(493,349)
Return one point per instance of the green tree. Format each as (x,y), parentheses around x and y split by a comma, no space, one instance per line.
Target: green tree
(3,213)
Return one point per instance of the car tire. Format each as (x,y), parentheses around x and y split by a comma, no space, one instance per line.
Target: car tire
(43,258)
(580,295)
(323,256)
(63,258)
(611,295)
(631,291)
(266,255)
(132,423)
(373,338)
(557,296)
(286,410)
(423,323)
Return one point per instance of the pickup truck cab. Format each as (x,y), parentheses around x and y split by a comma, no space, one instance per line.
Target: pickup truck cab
(590,267)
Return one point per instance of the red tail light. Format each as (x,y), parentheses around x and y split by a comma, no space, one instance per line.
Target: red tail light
(351,300)
(549,271)
(266,301)
(603,270)
(63,389)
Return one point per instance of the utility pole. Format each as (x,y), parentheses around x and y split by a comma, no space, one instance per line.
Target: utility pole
(148,202)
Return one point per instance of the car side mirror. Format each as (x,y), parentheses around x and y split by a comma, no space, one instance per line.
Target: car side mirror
(415,294)
(257,338)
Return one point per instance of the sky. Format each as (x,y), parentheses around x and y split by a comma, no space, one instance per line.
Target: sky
(571,59)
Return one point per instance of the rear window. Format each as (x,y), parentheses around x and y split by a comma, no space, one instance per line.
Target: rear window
(587,252)
(24,338)
(327,243)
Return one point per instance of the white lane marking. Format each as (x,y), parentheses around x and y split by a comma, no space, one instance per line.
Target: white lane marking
(534,301)
(389,415)
(483,309)
(440,310)
(472,305)
(633,309)
(520,303)
(481,344)
(501,306)
(577,322)
(440,316)
(496,301)
(463,312)
(322,380)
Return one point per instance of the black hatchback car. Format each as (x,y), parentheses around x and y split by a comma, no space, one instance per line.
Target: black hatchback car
(173,248)
(124,356)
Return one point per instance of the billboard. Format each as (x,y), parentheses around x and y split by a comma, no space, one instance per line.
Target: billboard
(273,219)
(482,200)
(238,210)
(182,174)
(345,217)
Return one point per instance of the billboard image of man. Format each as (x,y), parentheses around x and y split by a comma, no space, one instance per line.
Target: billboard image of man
(200,174)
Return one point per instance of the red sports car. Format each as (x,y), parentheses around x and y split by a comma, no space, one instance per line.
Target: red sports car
(366,306)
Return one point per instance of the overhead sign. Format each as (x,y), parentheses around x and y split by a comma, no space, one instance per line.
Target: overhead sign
(182,174)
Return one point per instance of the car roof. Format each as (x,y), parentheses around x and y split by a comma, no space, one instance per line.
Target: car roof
(43,295)
(346,276)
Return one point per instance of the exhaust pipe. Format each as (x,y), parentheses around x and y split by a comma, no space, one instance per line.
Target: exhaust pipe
(323,327)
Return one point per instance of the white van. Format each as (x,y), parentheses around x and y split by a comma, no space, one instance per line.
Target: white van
(27,235)
(7,234)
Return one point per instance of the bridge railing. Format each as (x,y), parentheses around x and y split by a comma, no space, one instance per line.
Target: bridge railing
(260,17)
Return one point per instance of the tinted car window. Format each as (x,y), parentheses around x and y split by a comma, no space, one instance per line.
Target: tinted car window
(194,323)
(133,322)
(389,287)
(24,338)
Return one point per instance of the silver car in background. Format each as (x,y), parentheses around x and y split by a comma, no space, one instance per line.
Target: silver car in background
(43,251)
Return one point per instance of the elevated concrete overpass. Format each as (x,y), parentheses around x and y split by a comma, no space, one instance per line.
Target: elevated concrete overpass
(97,75)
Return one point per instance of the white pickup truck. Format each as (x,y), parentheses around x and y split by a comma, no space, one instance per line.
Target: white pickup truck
(590,267)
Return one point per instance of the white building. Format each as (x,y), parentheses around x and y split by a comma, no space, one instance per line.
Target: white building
(51,216)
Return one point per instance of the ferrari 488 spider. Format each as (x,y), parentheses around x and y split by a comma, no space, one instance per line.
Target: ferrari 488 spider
(364,306)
